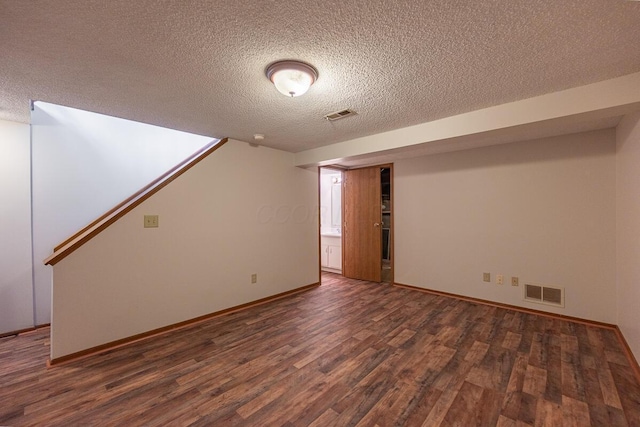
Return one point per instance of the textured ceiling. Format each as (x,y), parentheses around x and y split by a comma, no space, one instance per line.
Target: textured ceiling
(199,66)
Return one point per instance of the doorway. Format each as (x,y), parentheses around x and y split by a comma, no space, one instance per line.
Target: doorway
(330,220)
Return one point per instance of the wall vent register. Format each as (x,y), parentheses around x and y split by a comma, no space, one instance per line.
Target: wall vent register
(549,295)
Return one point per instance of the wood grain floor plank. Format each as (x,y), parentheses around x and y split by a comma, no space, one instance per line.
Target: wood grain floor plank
(628,391)
(518,373)
(346,353)
(359,401)
(535,381)
(421,406)
(327,418)
(464,409)
(575,413)
(441,407)
(512,341)
(477,352)
(489,407)
(381,413)
(548,414)
(408,401)
(315,407)
(528,408)
(609,391)
(505,422)
(553,392)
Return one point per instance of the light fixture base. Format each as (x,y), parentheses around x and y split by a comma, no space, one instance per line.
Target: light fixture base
(291,78)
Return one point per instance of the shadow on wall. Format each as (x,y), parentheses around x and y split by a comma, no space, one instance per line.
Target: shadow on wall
(550,149)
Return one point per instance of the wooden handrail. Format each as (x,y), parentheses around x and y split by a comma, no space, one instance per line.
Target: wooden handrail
(87,233)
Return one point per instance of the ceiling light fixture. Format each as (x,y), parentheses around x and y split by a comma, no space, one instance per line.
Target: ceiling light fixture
(292,78)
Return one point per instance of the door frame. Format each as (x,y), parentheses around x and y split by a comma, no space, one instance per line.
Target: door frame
(391,222)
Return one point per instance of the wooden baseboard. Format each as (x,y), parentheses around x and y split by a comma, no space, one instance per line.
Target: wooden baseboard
(630,357)
(165,329)
(509,306)
(24,331)
(632,360)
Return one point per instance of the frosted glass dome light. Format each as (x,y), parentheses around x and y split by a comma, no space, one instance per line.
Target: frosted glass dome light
(292,78)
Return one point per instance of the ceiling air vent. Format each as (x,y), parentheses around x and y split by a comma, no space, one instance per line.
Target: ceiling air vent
(340,115)
(544,294)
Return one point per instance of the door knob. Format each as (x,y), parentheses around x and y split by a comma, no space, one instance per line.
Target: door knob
(376,224)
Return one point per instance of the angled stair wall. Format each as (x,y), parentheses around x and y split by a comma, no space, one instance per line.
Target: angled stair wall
(237,212)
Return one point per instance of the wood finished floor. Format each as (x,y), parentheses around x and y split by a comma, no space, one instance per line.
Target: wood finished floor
(346,353)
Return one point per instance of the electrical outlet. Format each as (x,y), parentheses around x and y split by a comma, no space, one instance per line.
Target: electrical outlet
(499,279)
(254,278)
(150,221)
(486,277)
(514,281)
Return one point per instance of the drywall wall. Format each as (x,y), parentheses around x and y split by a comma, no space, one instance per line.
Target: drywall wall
(541,210)
(83,165)
(628,229)
(326,205)
(240,211)
(16,293)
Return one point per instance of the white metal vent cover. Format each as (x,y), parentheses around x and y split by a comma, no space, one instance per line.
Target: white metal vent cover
(550,295)
(337,115)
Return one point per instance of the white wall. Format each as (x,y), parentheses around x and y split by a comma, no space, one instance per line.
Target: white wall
(242,210)
(628,229)
(325,202)
(326,185)
(16,291)
(542,210)
(83,165)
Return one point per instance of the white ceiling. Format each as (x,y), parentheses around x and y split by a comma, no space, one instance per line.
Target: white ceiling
(198,65)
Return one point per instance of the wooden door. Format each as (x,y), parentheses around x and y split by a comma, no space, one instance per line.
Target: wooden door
(362,231)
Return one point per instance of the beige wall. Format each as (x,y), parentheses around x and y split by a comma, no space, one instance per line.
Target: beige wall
(542,210)
(83,164)
(16,285)
(628,229)
(242,210)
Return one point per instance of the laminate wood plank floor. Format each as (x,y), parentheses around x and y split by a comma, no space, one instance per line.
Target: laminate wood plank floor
(348,353)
